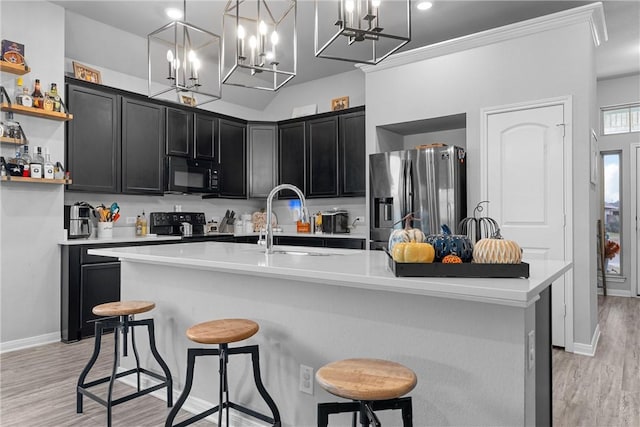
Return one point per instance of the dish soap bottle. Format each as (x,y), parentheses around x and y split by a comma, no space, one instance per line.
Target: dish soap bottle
(143,222)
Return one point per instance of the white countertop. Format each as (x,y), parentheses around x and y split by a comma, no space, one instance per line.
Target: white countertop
(343,267)
(362,235)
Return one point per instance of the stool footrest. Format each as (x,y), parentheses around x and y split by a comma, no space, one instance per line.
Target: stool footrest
(83,387)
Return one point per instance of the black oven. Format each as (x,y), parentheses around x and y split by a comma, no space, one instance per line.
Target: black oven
(183,175)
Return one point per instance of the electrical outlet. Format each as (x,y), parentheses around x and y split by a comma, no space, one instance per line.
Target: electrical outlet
(306,379)
(531,354)
(131,220)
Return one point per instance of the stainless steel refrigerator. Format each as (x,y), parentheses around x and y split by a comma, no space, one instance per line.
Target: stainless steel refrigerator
(428,182)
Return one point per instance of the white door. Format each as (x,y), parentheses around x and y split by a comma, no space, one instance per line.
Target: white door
(525,188)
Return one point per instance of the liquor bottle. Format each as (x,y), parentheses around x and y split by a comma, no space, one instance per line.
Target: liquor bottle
(24,98)
(47,102)
(53,93)
(37,162)
(38,99)
(143,222)
(18,91)
(48,169)
(26,172)
(138,226)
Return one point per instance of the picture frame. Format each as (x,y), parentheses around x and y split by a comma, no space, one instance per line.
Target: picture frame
(188,100)
(85,73)
(340,103)
(593,158)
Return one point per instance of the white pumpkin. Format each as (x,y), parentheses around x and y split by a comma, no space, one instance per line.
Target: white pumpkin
(405,235)
(496,250)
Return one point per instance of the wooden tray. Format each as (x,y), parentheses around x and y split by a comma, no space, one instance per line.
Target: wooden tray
(467,269)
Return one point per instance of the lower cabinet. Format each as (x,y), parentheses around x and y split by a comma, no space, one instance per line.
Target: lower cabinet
(99,283)
(320,242)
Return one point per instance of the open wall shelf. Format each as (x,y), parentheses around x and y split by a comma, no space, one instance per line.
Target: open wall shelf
(14,68)
(36,112)
(35,180)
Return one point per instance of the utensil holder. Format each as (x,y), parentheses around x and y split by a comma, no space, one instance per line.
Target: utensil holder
(105,230)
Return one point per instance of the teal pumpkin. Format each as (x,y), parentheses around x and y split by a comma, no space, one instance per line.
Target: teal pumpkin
(447,244)
(405,235)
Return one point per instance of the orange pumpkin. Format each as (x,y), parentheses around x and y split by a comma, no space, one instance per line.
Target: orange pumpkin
(452,259)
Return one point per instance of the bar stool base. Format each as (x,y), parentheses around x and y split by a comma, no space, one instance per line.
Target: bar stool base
(366,410)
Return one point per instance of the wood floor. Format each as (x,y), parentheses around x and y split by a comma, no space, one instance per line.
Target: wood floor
(37,385)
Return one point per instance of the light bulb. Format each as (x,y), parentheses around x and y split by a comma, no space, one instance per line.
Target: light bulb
(169,55)
(270,55)
(375,3)
(196,64)
(176,63)
(275,38)
(253,42)
(241,32)
(349,6)
(192,56)
(262,28)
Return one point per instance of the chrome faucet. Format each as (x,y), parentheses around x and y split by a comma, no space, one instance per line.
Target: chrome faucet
(269,229)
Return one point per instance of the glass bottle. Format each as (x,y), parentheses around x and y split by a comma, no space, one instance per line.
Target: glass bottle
(38,98)
(49,167)
(26,172)
(24,99)
(47,102)
(37,162)
(53,93)
(18,92)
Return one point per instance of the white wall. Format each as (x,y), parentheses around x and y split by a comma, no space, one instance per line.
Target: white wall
(617,91)
(31,215)
(551,63)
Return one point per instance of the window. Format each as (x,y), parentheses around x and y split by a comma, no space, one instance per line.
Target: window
(612,208)
(620,119)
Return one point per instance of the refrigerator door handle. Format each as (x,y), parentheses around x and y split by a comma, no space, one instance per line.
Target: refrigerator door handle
(409,189)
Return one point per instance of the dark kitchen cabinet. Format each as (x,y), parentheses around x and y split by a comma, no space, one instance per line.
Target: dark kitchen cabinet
(352,154)
(179,132)
(322,157)
(291,157)
(262,158)
(143,136)
(232,158)
(190,134)
(99,283)
(93,140)
(320,242)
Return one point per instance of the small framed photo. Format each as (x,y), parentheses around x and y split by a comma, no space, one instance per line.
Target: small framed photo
(188,100)
(340,103)
(83,72)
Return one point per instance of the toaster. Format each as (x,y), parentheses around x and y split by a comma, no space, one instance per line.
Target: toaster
(335,221)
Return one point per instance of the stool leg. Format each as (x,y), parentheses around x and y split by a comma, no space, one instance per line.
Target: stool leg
(407,412)
(135,349)
(161,362)
(92,361)
(323,416)
(113,375)
(191,361)
(255,358)
(371,416)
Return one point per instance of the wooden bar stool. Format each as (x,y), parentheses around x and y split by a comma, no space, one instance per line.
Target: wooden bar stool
(223,332)
(119,317)
(371,384)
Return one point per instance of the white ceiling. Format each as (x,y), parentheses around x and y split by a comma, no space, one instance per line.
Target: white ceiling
(448,19)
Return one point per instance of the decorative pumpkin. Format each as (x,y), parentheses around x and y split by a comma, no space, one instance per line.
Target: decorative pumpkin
(406,234)
(477,228)
(415,252)
(496,250)
(452,259)
(447,244)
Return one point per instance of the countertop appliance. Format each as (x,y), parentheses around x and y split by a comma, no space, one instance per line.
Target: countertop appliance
(335,221)
(77,220)
(429,182)
(169,223)
(183,175)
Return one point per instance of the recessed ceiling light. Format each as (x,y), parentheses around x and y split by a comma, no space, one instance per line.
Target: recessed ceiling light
(173,13)
(424,5)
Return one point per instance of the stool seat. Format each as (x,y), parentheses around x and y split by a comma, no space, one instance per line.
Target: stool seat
(222,331)
(123,308)
(366,379)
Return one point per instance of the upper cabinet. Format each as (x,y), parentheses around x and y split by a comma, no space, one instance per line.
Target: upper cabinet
(190,134)
(352,154)
(232,157)
(142,142)
(325,155)
(93,140)
(262,158)
(322,157)
(291,157)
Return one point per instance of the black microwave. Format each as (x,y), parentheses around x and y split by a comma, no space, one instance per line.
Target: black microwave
(183,175)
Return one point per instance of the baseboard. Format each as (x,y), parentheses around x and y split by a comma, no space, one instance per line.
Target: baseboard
(193,405)
(615,292)
(588,349)
(29,342)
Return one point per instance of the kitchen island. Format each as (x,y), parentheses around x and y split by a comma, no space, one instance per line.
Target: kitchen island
(468,340)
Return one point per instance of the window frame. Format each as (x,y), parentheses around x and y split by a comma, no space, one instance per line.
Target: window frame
(628,107)
(618,153)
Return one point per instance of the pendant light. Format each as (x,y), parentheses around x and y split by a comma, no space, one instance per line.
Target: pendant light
(362,31)
(184,59)
(259,43)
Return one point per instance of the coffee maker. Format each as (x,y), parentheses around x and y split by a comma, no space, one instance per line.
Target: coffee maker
(77,220)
